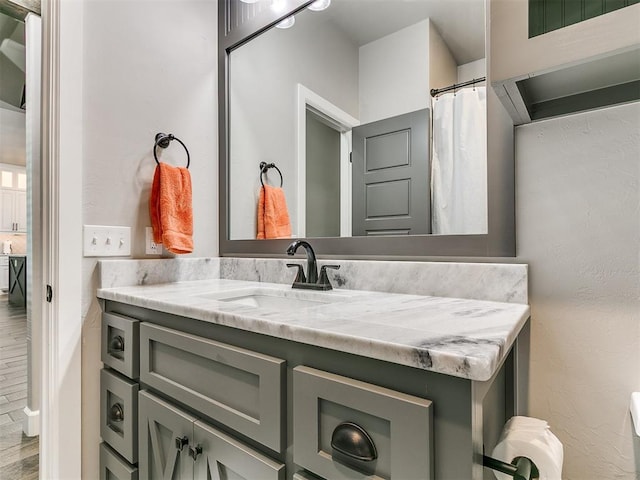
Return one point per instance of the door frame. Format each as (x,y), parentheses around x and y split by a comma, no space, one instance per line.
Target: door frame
(343,123)
(61,419)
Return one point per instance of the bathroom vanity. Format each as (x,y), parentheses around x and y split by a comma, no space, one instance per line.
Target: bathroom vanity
(260,381)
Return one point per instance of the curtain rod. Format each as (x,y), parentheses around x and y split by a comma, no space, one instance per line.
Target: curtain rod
(436,91)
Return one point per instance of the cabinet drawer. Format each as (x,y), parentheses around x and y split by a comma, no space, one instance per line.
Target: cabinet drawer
(393,428)
(119,413)
(114,467)
(119,344)
(238,388)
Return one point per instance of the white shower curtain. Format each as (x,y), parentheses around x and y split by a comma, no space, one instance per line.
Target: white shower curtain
(459,163)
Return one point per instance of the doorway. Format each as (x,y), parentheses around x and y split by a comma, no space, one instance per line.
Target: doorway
(337,122)
(20,89)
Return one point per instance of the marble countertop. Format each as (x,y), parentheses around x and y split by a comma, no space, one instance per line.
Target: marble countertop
(453,336)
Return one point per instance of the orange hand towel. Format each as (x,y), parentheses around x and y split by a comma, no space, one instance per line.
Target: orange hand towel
(273,216)
(170,208)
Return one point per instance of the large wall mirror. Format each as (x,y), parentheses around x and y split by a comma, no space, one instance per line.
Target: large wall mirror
(327,104)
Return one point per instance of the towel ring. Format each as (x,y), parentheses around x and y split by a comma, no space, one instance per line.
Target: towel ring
(264,167)
(163,140)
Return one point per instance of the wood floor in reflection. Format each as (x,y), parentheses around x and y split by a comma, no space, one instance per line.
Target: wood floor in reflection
(18,453)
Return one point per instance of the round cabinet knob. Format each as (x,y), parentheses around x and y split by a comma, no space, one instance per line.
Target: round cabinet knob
(117,344)
(116,412)
(353,441)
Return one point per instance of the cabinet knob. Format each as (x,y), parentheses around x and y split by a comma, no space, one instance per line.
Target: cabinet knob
(116,412)
(117,344)
(354,442)
(182,442)
(195,452)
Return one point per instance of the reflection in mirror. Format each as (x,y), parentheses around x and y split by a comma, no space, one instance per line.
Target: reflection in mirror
(340,104)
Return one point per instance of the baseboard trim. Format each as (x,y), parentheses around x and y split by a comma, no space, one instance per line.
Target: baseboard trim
(31,426)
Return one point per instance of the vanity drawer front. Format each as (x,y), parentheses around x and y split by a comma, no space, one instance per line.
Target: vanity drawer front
(236,387)
(114,467)
(119,345)
(398,427)
(119,413)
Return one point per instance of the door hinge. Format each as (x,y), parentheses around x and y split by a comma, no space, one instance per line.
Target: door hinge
(49,293)
(350,157)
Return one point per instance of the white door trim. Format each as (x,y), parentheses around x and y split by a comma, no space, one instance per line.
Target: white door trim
(60,437)
(33,40)
(344,123)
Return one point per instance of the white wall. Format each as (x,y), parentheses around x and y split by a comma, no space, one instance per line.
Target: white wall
(442,65)
(471,70)
(13,137)
(578,217)
(265,74)
(146,69)
(398,71)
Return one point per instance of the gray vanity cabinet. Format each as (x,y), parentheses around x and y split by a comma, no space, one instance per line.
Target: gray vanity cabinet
(176,445)
(224,403)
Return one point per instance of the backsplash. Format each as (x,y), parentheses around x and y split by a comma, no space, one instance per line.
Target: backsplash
(479,281)
(123,273)
(18,242)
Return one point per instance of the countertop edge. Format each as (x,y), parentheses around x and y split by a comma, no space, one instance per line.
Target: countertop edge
(428,357)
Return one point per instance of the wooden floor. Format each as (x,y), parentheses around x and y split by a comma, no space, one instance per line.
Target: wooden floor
(18,453)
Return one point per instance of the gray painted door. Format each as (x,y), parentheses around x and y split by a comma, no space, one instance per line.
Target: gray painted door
(225,458)
(391,192)
(163,454)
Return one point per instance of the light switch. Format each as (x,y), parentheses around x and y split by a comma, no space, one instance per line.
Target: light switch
(107,241)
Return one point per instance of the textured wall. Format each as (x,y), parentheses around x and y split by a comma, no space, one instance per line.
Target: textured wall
(578,217)
(148,68)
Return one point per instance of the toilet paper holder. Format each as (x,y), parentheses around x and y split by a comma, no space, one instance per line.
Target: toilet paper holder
(520,468)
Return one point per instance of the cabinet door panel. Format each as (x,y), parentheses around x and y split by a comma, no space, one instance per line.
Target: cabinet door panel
(160,428)
(21,211)
(7,202)
(224,458)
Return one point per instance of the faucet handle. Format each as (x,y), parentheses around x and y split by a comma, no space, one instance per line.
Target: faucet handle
(300,278)
(324,279)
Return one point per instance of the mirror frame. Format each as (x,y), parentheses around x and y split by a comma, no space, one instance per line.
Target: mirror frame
(238,23)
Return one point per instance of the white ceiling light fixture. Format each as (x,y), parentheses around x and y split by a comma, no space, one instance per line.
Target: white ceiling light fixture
(287,22)
(249,1)
(319,5)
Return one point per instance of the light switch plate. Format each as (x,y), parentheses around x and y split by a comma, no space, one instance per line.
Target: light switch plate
(106,241)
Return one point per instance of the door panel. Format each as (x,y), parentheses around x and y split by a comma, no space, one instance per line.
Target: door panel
(161,427)
(224,458)
(391,176)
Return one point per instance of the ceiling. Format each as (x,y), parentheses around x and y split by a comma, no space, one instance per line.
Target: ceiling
(460,22)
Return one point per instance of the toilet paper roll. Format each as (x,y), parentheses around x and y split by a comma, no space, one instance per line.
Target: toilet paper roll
(534,440)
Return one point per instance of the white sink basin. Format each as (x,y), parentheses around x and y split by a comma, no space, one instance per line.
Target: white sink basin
(274,299)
